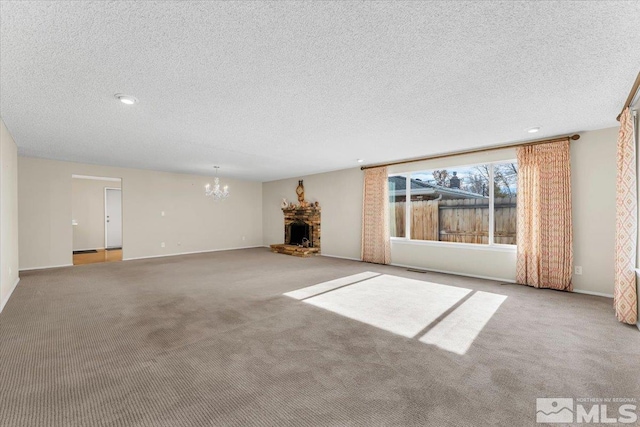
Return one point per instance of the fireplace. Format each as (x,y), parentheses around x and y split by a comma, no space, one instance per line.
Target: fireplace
(300,222)
(300,231)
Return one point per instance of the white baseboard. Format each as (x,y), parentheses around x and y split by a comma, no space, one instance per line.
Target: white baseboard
(146,257)
(578,291)
(341,257)
(5,300)
(191,253)
(46,267)
(598,294)
(432,270)
(455,273)
(88,249)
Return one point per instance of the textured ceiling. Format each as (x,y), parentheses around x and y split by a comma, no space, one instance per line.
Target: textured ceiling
(274,90)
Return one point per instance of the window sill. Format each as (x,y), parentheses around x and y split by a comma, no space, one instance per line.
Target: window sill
(471,246)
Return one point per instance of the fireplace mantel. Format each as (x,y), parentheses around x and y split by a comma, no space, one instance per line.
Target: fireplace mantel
(299,209)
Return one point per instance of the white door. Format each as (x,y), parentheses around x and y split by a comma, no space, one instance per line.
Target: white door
(113,217)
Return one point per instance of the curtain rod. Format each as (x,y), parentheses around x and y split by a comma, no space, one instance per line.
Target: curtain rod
(478,150)
(632,94)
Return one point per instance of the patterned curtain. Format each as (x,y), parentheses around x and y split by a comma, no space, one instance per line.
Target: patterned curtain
(376,247)
(545,238)
(625,294)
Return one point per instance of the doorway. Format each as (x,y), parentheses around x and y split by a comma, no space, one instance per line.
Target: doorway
(96,219)
(113,218)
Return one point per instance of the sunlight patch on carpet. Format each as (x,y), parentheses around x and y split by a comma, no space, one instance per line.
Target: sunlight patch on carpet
(330,285)
(448,317)
(459,329)
(395,304)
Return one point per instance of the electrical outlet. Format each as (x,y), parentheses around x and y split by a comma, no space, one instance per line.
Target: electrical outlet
(243,238)
(162,213)
(578,270)
(162,244)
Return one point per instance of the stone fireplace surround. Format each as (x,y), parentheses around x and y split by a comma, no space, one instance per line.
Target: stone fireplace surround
(308,215)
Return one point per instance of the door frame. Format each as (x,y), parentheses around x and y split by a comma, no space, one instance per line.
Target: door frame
(105,214)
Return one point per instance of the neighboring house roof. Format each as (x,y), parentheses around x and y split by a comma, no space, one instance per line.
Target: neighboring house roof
(424,188)
(400,183)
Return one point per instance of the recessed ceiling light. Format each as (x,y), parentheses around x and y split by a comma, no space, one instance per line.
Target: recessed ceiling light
(533,130)
(126,99)
(360,160)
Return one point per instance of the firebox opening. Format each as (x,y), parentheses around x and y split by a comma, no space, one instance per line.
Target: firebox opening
(298,232)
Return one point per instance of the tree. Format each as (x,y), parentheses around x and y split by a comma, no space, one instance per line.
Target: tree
(441,177)
(506,178)
(476,183)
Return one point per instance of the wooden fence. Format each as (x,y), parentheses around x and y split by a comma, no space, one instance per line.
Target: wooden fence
(458,220)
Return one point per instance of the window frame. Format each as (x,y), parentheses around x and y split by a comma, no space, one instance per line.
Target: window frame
(491,246)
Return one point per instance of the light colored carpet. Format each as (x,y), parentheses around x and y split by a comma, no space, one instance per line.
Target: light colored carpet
(209,340)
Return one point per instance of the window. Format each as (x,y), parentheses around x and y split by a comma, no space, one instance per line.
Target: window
(397,198)
(505,178)
(451,205)
(456,204)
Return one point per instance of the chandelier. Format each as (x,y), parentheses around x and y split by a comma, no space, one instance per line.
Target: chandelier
(216,192)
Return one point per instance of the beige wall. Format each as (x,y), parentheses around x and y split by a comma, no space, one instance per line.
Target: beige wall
(593,160)
(87,209)
(192,221)
(195,223)
(8,215)
(593,186)
(340,197)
